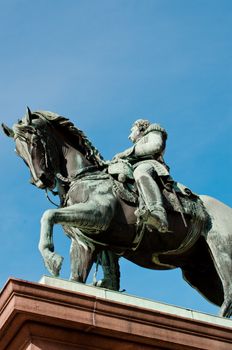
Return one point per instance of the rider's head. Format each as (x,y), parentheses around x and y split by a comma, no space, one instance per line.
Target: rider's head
(138,129)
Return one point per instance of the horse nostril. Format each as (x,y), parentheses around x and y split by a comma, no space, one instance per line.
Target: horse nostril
(43,178)
(47,181)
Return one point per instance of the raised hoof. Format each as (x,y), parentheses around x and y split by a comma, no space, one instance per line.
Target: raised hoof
(54,263)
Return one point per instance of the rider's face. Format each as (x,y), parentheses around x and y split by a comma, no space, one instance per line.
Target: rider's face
(135,133)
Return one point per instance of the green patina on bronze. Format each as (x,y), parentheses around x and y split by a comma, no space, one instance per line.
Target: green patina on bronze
(129,207)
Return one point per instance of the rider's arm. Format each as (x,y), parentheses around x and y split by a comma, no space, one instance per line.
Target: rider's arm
(149,145)
(125,154)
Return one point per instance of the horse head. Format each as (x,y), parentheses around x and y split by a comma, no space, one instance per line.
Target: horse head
(38,148)
(50,144)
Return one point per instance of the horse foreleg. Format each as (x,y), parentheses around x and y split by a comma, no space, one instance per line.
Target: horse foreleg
(82,215)
(52,260)
(82,257)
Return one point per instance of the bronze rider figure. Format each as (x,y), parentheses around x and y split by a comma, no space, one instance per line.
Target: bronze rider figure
(146,156)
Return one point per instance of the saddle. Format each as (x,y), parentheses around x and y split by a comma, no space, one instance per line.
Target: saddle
(176,196)
(123,181)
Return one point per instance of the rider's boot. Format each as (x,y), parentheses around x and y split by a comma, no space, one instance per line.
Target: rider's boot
(153,214)
(157,218)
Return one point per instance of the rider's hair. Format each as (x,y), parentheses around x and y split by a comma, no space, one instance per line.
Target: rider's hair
(142,124)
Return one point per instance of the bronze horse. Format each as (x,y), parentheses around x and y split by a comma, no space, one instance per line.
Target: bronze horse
(97,219)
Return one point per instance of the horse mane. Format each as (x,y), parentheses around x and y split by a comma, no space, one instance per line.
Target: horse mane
(76,136)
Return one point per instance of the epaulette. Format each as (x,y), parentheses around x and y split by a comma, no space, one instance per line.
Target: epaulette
(156,127)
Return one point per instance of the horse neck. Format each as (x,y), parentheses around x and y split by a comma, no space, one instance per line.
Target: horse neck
(74,160)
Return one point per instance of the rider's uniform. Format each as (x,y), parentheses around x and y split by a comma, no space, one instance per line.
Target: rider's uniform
(150,149)
(147,157)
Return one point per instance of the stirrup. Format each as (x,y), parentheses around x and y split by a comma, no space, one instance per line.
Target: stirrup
(157,222)
(159,214)
(156,218)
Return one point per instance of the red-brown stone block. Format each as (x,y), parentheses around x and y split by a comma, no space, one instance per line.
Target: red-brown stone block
(62,315)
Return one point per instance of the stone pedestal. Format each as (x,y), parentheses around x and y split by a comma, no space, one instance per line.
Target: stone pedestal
(61,315)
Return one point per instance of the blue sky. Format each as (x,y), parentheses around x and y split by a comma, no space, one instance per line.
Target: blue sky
(104,64)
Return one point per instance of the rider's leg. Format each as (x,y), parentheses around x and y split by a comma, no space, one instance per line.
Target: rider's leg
(154,214)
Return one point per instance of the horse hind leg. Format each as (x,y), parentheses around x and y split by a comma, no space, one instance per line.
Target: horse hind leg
(202,275)
(83,256)
(219,241)
(223,264)
(111,270)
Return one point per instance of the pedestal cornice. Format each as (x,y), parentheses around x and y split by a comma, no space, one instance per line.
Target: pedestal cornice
(82,317)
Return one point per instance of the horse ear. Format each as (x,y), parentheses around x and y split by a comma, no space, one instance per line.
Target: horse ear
(9,132)
(28,116)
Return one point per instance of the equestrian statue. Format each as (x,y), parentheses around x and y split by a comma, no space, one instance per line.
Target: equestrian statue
(128,207)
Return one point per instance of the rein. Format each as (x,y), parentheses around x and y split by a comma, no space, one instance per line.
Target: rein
(67,180)
(49,199)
